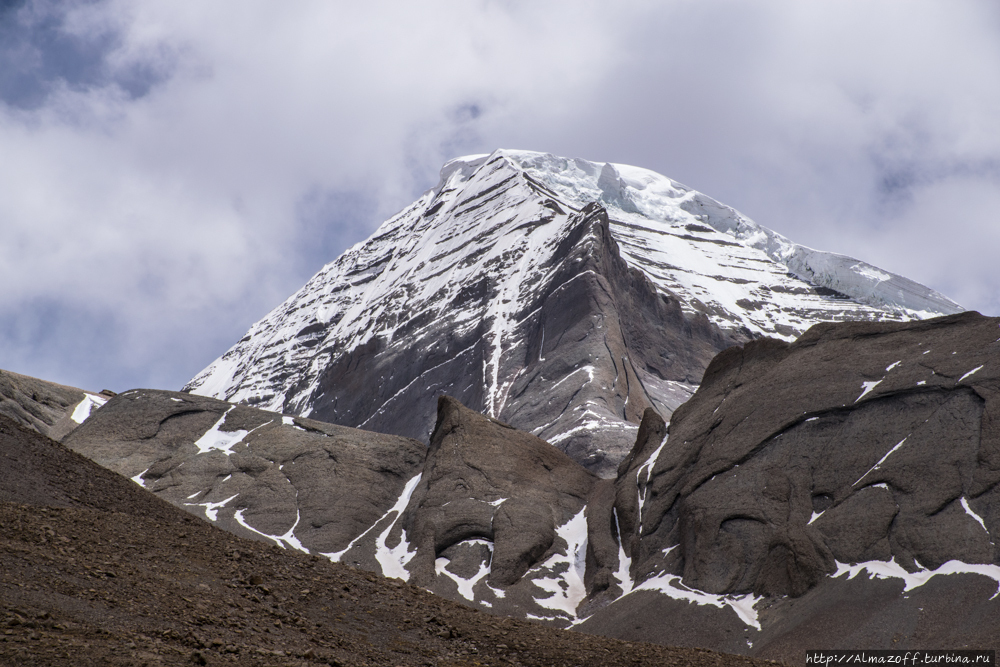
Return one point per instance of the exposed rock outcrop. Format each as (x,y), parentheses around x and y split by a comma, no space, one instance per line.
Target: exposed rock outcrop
(94,571)
(857,442)
(859,448)
(254,473)
(49,408)
(483,479)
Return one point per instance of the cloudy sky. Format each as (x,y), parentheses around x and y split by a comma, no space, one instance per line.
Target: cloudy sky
(169,172)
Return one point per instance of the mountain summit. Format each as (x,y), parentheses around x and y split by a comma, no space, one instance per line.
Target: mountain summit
(561,296)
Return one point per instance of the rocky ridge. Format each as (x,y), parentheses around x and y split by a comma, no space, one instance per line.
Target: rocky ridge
(851,502)
(847,504)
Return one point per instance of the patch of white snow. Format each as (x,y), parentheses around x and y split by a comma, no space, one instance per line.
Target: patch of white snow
(881,460)
(565,585)
(670,585)
(968,510)
(892,570)
(466,586)
(281,540)
(648,467)
(212,509)
(86,406)
(624,572)
(216,439)
(138,480)
(867,387)
(394,560)
(970,372)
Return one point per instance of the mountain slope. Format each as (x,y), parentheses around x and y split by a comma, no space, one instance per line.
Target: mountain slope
(841,490)
(561,296)
(96,571)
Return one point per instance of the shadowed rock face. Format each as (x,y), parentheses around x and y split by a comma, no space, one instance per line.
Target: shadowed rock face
(488,520)
(857,442)
(580,362)
(865,445)
(476,517)
(94,571)
(592,326)
(483,479)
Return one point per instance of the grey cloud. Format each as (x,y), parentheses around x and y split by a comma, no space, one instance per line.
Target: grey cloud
(42,51)
(823,121)
(161,215)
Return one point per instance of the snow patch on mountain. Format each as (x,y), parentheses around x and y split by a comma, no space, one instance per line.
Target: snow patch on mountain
(83,409)
(892,570)
(469,256)
(561,576)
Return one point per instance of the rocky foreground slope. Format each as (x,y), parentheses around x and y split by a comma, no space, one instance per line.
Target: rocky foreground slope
(563,297)
(95,571)
(837,491)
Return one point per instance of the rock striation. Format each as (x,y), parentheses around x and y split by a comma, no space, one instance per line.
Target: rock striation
(873,442)
(799,470)
(95,571)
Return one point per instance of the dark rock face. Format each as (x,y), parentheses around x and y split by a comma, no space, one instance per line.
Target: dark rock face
(486,483)
(580,361)
(593,320)
(859,449)
(870,442)
(94,571)
(485,479)
(36,470)
(481,515)
(251,471)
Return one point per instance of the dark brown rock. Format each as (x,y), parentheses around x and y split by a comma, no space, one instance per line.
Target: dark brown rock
(858,441)
(484,479)
(328,482)
(95,571)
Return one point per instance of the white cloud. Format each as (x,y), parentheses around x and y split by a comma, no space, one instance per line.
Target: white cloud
(219,153)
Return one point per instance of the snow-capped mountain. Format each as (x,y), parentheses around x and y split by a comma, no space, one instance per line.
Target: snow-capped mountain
(559,295)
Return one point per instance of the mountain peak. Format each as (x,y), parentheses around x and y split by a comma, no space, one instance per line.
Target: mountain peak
(563,296)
